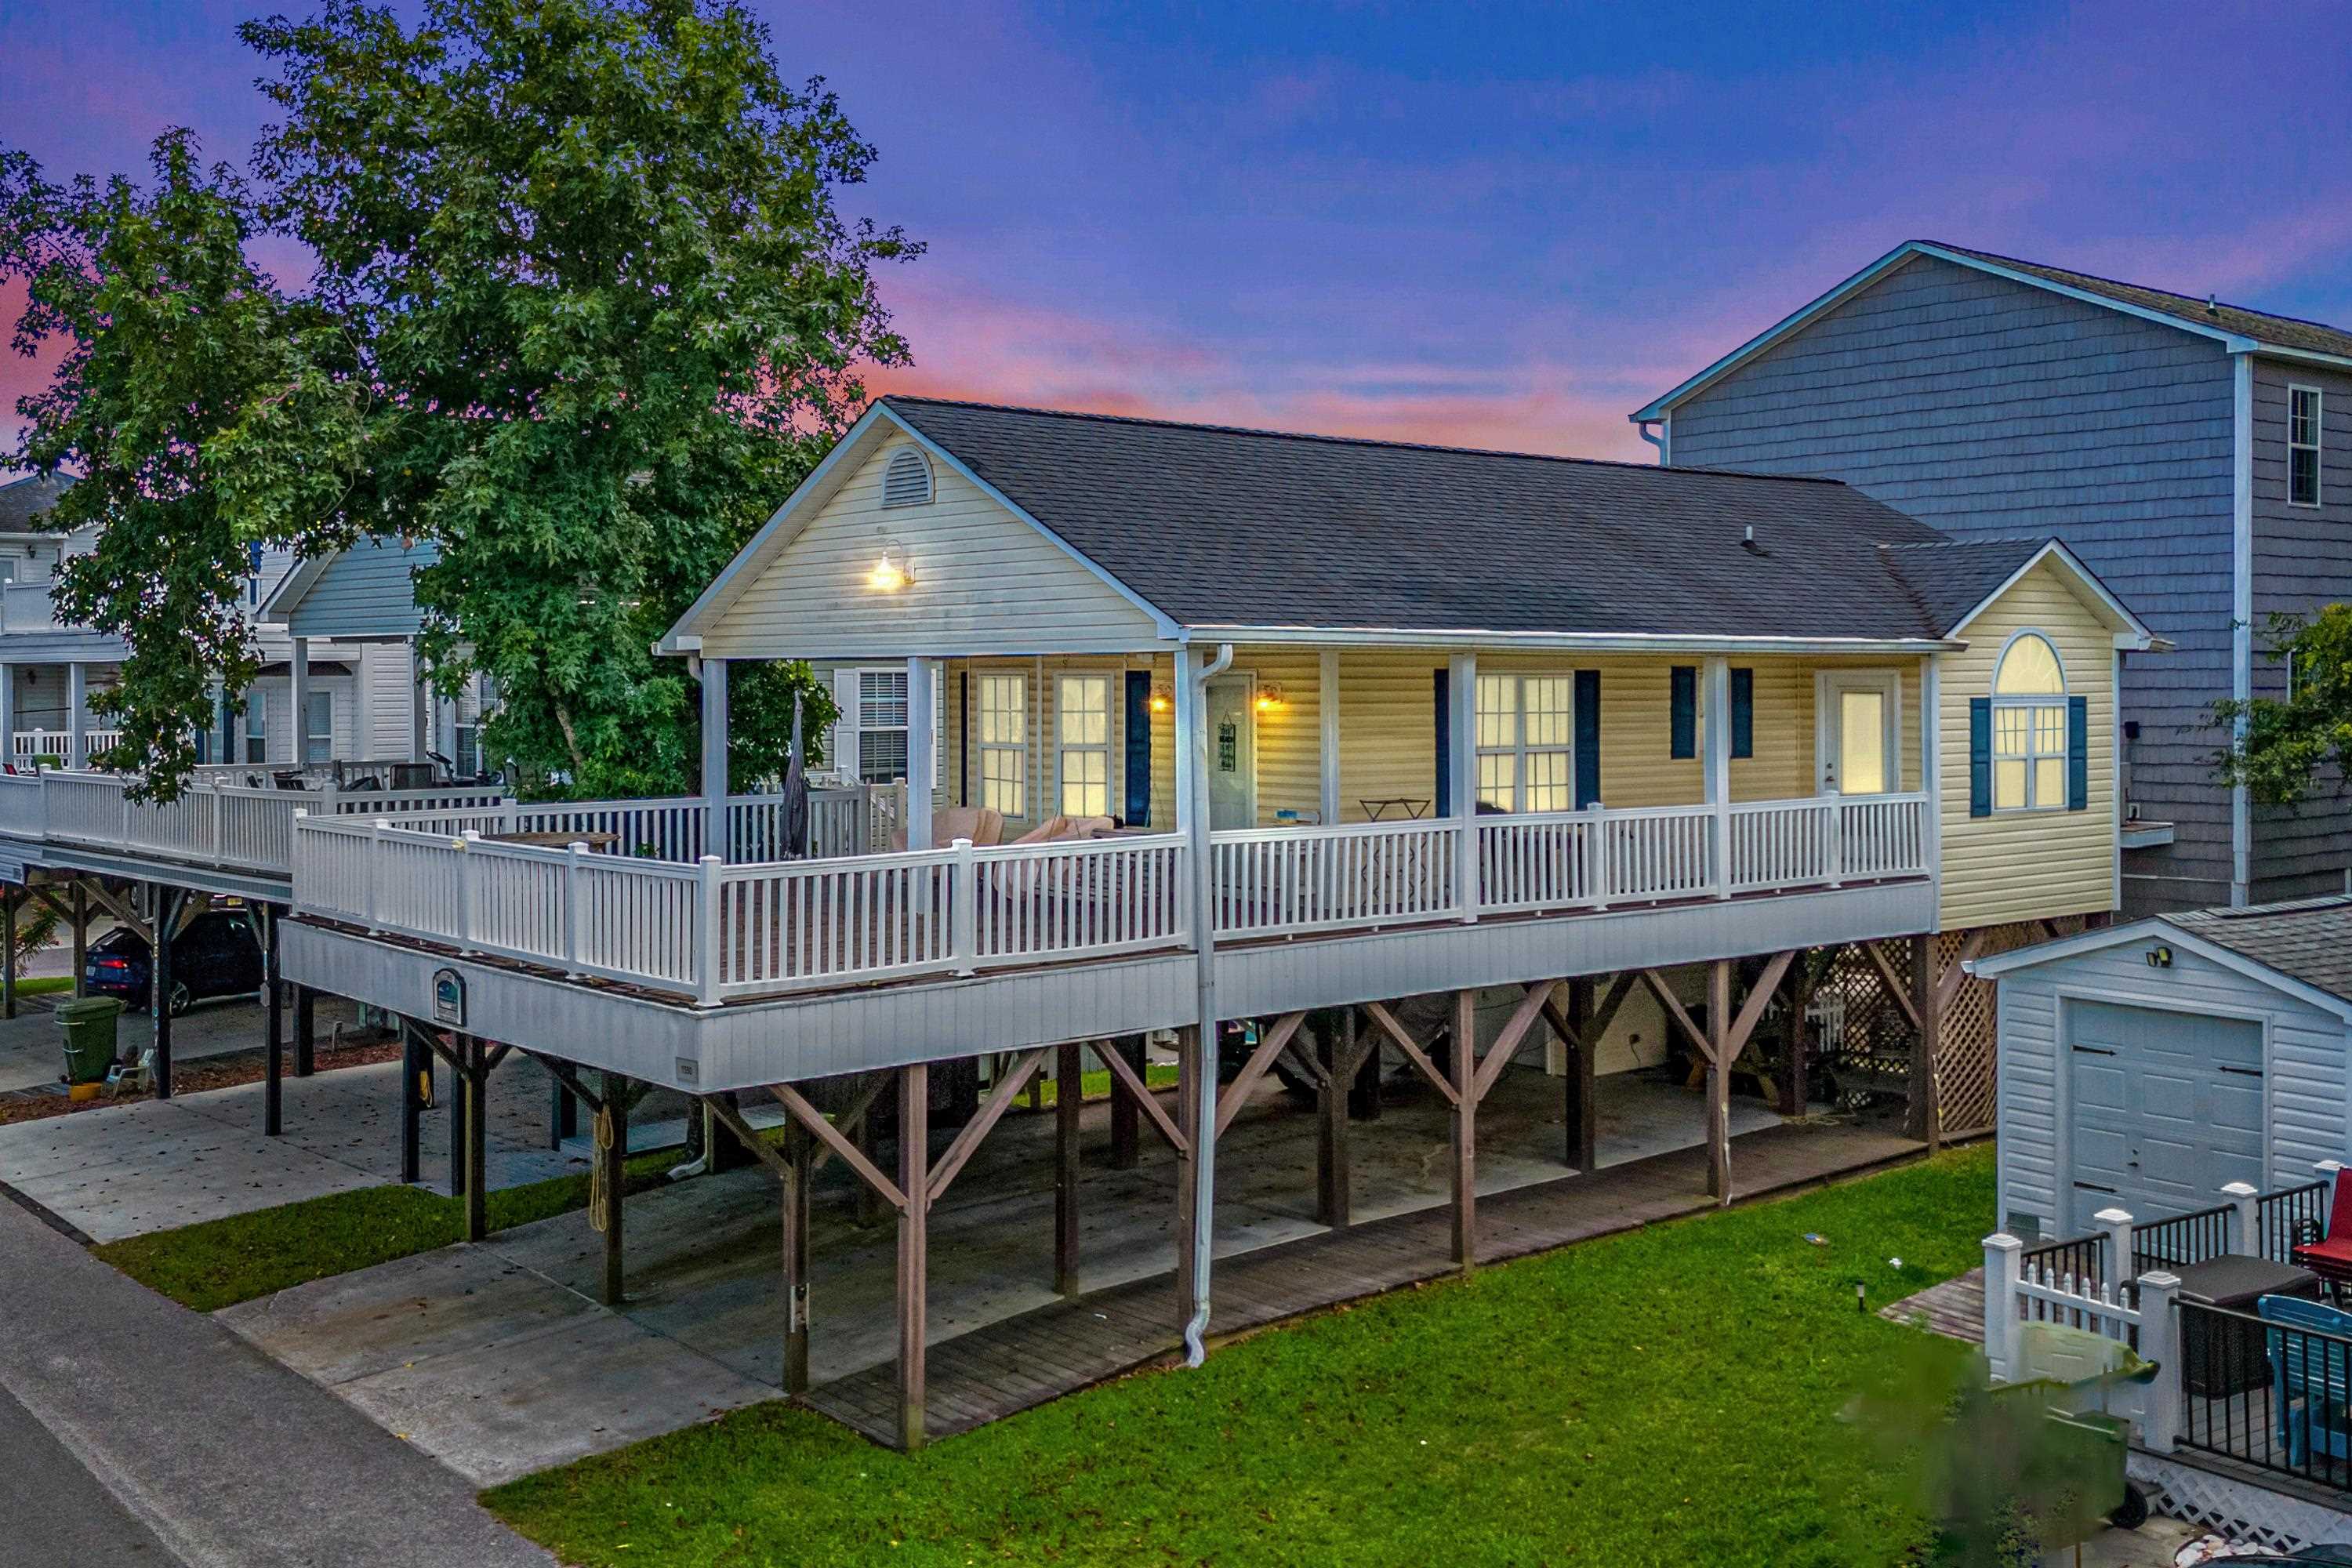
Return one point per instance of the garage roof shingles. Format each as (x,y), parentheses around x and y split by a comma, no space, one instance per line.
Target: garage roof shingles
(1223,527)
(2309,940)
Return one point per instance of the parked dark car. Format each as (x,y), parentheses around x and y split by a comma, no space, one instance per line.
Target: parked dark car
(216,954)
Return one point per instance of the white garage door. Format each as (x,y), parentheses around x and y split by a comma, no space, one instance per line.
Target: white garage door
(2166,1108)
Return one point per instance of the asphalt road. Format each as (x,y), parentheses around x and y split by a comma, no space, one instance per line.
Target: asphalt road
(58,1514)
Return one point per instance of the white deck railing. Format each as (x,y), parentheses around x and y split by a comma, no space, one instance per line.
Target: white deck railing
(28,746)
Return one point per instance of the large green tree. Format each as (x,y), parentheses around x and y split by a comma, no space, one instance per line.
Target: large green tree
(591,312)
(185,372)
(2281,749)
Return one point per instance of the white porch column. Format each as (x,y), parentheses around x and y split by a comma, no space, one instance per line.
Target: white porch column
(420,703)
(1931,771)
(922,765)
(1716,749)
(298,724)
(77,716)
(1326,703)
(1188,729)
(8,725)
(1462,775)
(714,757)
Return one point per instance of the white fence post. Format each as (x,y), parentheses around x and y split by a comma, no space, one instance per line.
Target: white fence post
(218,853)
(572,853)
(2116,1225)
(1465,866)
(2245,1218)
(1833,841)
(375,874)
(963,909)
(2329,1171)
(710,947)
(294,866)
(2159,1342)
(2001,1324)
(1598,836)
(466,842)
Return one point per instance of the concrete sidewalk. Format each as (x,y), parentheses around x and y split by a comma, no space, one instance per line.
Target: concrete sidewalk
(228,1459)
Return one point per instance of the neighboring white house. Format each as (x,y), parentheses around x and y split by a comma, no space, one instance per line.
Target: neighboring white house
(2145,1066)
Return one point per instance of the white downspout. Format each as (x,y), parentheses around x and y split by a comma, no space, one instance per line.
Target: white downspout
(1204,1012)
(1662,437)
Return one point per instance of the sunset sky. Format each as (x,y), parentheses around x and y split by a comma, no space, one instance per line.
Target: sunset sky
(1492,225)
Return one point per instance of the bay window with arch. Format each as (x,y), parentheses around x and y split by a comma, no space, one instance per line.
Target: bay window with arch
(2029,738)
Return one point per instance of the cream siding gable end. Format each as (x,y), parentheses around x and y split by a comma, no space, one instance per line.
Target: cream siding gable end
(983,578)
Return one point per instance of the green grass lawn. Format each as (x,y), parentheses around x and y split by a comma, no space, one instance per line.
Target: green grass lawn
(43,985)
(1666,1396)
(1096,1084)
(224,1262)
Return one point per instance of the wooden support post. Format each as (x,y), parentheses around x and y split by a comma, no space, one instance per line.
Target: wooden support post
(11,902)
(1926,1116)
(1796,996)
(306,1025)
(612,1155)
(1192,1060)
(416,1065)
(273,1094)
(1126,1116)
(458,1122)
(158,983)
(1465,1129)
(1579,1113)
(1719,1049)
(474,1054)
(799,1170)
(1334,1179)
(80,919)
(1069,1098)
(562,1112)
(914,1182)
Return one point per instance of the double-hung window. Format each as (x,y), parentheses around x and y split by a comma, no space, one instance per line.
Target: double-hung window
(319,727)
(1524,725)
(1082,728)
(2029,727)
(256,732)
(2303,444)
(1004,708)
(881,725)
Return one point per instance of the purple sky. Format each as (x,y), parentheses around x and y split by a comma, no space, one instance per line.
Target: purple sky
(1493,225)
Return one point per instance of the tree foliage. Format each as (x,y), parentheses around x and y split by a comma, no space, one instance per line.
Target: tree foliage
(185,370)
(2278,749)
(586,312)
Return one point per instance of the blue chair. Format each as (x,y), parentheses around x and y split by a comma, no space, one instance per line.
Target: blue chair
(2319,1371)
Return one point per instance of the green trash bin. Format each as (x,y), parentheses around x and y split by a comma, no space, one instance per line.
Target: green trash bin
(88,1023)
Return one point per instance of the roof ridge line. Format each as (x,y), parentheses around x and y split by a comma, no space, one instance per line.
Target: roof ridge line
(1264,433)
(2188,299)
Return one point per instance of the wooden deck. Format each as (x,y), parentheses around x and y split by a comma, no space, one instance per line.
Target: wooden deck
(993,1372)
(1954,1309)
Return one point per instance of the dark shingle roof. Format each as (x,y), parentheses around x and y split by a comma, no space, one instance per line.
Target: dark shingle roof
(1952,577)
(21,501)
(2284,332)
(1218,526)
(2309,940)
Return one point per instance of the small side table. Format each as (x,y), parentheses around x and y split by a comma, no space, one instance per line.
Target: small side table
(2224,1357)
(1379,806)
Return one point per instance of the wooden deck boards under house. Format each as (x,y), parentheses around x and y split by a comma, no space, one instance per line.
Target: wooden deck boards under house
(1006,1367)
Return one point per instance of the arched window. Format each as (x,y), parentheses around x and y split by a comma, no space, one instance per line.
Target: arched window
(2029,727)
(908,480)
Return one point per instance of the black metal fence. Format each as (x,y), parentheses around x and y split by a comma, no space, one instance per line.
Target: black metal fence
(2081,1258)
(2182,1240)
(2264,1393)
(2284,1216)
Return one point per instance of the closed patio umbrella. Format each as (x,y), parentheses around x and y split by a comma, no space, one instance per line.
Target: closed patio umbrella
(796,793)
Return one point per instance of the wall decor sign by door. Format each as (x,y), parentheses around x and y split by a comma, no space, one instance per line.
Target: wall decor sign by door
(1229,743)
(449,998)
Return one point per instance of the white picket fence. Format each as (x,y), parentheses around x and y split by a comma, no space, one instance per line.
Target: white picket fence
(711,932)
(2137,1313)
(29,746)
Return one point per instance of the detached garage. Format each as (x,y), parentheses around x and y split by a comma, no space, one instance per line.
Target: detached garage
(2144,1066)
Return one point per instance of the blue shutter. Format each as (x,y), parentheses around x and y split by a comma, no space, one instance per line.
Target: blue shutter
(2078,754)
(1138,747)
(1444,790)
(1587,737)
(1682,695)
(1979,756)
(1743,712)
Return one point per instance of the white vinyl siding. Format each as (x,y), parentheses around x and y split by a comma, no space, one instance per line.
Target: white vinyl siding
(1003,701)
(1082,719)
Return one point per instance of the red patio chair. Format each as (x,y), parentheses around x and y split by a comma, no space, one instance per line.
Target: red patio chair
(2329,1257)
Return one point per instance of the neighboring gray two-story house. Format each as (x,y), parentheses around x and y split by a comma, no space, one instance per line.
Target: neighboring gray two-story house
(2197,455)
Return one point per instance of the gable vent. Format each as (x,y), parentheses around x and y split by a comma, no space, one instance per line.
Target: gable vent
(908,480)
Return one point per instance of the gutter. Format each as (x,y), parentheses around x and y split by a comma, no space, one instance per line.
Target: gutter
(1204,1013)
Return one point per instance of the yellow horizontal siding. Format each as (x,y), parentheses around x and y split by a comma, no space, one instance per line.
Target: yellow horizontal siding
(2030,864)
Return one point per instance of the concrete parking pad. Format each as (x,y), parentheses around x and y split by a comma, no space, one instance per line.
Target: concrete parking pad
(32,1053)
(496,1358)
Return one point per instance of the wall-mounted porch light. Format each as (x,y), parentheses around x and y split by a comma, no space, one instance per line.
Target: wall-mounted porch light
(1269,697)
(889,574)
(1162,699)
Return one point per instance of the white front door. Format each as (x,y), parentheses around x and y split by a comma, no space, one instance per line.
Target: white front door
(1233,753)
(1857,728)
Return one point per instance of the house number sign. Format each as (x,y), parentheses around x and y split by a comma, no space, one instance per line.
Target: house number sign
(1228,746)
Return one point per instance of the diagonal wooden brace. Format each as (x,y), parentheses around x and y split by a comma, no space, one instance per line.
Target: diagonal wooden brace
(1389,1025)
(1229,1103)
(829,1136)
(1674,1013)
(967,1141)
(1507,1044)
(1140,1094)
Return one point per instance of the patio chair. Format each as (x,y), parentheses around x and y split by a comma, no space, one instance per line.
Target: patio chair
(985,825)
(1055,829)
(2310,1372)
(2328,1256)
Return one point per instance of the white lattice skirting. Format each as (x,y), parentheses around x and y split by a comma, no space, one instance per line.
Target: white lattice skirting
(2237,1509)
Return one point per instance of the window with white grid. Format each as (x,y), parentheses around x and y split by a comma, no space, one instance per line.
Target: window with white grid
(1082,733)
(1004,709)
(881,725)
(1526,726)
(2303,408)
(2029,727)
